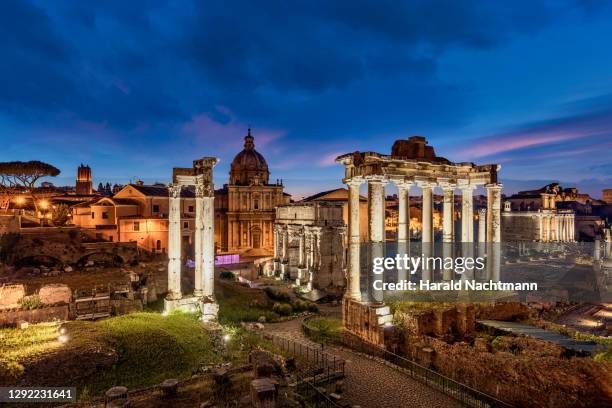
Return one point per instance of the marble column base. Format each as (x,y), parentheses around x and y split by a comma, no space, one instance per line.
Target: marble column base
(187,304)
(209,309)
(301,276)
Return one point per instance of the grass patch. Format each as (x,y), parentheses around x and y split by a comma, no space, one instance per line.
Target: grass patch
(151,347)
(238,304)
(18,346)
(323,329)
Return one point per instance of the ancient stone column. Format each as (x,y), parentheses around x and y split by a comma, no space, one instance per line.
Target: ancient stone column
(198,241)
(482,225)
(404,212)
(572,227)
(482,232)
(208,242)
(447,215)
(301,255)
(467,213)
(174,243)
(494,230)
(494,212)
(354,268)
(376,207)
(275,243)
(427,213)
(403,227)
(447,228)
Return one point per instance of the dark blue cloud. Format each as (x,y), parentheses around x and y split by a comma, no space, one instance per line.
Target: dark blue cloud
(165,79)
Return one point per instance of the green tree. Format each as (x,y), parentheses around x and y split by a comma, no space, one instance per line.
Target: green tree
(60,215)
(18,176)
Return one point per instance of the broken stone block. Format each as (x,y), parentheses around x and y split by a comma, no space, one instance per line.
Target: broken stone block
(54,294)
(22,324)
(169,387)
(264,393)
(263,363)
(116,396)
(10,295)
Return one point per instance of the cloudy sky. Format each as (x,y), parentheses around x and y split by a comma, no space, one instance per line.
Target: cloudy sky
(134,88)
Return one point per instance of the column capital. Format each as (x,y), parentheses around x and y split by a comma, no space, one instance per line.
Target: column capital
(447,187)
(467,187)
(494,186)
(377,180)
(174,190)
(354,182)
(426,184)
(203,191)
(404,184)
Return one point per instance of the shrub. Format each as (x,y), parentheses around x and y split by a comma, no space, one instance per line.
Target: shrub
(323,330)
(30,302)
(227,275)
(604,356)
(302,306)
(497,343)
(277,296)
(283,309)
(11,368)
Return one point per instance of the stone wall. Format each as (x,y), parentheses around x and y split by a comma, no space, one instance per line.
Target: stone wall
(533,376)
(450,323)
(505,311)
(9,223)
(362,320)
(45,314)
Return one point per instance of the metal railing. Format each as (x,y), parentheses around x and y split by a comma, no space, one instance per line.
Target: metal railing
(461,392)
(314,358)
(307,389)
(316,369)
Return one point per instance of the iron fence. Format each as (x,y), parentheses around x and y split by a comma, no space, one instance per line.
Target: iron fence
(314,359)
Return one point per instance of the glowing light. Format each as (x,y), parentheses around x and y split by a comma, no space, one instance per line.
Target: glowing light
(20,200)
(227,338)
(62,330)
(63,338)
(44,204)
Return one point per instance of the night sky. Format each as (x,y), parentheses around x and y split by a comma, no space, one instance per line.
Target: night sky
(135,88)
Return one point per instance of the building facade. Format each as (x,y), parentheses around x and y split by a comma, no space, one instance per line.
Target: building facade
(534,216)
(244,210)
(245,207)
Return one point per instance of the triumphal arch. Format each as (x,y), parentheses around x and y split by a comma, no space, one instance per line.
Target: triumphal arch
(412,163)
(199,176)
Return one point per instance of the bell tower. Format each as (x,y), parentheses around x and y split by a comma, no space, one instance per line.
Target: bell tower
(83,180)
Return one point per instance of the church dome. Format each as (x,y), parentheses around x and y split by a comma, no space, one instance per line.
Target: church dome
(249,166)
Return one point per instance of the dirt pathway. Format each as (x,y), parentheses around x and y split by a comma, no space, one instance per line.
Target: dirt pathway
(370,383)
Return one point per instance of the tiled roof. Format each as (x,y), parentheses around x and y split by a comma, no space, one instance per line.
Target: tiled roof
(162,191)
(324,193)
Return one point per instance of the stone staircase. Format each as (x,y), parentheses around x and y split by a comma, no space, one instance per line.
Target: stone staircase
(384,315)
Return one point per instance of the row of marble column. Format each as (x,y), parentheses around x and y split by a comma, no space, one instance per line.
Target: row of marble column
(204,243)
(557,227)
(309,239)
(376,214)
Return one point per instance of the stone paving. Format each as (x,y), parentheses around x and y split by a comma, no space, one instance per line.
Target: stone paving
(370,383)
